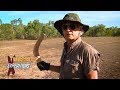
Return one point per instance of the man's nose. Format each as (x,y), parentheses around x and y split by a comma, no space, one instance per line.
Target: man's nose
(68,29)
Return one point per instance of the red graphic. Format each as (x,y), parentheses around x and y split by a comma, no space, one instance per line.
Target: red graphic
(11,69)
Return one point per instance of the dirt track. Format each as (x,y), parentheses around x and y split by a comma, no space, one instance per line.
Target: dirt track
(50,51)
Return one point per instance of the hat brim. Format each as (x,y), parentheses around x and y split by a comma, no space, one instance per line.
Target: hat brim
(59,23)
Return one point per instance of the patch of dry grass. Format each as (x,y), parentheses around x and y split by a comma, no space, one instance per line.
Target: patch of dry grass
(50,51)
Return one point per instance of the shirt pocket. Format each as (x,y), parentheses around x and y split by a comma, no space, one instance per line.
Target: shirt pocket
(71,66)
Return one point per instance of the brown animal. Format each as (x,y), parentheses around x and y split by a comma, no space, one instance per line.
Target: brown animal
(11,69)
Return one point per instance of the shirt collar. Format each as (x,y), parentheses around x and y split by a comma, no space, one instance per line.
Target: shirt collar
(73,44)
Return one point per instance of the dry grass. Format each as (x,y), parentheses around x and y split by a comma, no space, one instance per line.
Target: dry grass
(50,51)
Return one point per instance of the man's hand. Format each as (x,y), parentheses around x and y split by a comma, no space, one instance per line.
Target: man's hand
(43,65)
(92,74)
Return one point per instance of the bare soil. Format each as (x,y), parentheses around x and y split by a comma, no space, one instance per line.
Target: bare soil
(51,50)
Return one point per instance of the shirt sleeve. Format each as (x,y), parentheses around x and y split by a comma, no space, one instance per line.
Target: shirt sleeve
(91,60)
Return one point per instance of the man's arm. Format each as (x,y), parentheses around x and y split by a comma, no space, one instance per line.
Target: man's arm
(41,64)
(91,65)
(55,68)
(93,74)
(46,66)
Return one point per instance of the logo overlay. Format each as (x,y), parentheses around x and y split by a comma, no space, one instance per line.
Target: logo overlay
(17,62)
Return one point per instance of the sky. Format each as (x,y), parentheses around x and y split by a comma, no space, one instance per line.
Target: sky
(91,18)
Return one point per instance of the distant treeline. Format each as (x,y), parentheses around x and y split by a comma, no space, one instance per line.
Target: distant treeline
(16,30)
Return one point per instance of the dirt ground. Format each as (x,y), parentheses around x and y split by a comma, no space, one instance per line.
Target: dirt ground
(50,51)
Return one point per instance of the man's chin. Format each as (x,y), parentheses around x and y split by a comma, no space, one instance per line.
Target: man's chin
(69,38)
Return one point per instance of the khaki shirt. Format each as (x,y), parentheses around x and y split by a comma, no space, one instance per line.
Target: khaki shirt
(78,60)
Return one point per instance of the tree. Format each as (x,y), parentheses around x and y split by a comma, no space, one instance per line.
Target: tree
(19,21)
(0,22)
(101,30)
(7,32)
(35,27)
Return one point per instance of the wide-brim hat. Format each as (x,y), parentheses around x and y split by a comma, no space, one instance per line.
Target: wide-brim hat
(70,17)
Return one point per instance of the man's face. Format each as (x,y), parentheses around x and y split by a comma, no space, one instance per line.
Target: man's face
(71,31)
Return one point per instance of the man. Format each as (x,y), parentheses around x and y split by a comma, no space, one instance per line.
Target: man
(79,59)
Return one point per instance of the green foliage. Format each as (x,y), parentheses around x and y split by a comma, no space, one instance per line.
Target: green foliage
(0,22)
(49,30)
(16,30)
(33,29)
(100,30)
(7,32)
(19,32)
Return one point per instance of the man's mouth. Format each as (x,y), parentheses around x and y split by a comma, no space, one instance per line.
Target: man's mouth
(68,34)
